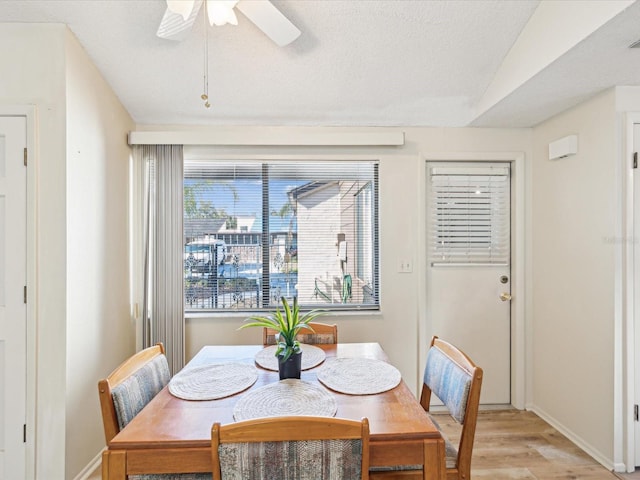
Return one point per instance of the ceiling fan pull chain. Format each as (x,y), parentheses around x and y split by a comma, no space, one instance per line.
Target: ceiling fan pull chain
(205,95)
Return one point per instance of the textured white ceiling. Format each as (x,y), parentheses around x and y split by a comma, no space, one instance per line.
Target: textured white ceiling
(357,62)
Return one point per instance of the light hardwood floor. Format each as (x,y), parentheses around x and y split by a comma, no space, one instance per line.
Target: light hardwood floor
(514,444)
(518,445)
(629,476)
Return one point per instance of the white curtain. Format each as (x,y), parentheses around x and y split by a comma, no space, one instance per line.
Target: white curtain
(157,247)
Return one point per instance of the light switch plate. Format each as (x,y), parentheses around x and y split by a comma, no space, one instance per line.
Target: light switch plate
(405,265)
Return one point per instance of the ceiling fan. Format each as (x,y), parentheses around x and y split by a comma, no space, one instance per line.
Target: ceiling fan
(181,15)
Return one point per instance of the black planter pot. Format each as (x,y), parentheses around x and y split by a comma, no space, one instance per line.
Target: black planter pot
(291,367)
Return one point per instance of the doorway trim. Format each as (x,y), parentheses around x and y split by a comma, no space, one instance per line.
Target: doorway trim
(624,446)
(29,112)
(520,373)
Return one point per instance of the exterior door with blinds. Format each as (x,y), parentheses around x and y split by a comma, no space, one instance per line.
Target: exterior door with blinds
(468,266)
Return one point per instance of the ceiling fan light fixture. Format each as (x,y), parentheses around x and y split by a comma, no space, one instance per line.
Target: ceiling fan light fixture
(181,7)
(221,12)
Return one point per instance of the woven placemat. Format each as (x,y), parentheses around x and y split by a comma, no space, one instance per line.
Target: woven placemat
(311,357)
(359,376)
(210,382)
(287,397)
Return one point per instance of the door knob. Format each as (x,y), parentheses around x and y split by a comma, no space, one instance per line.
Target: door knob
(505,297)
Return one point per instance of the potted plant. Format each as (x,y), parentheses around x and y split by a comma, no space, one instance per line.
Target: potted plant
(287,323)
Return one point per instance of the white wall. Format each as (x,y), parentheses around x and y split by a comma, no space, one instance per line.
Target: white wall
(83,327)
(402,215)
(100,333)
(627,99)
(34,75)
(575,215)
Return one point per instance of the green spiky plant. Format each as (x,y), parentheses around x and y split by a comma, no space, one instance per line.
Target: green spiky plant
(287,323)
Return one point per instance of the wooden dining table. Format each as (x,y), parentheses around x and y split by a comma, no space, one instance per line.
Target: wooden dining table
(172,435)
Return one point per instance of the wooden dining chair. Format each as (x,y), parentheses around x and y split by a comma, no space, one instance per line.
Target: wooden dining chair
(128,389)
(322,333)
(297,447)
(456,380)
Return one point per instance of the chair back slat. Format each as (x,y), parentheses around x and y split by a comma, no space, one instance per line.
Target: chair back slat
(304,448)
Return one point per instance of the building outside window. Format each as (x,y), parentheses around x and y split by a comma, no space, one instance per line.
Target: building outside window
(364,226)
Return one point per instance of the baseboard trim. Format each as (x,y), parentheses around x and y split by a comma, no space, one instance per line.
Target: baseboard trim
(620,468)
(589,449)
(90,469)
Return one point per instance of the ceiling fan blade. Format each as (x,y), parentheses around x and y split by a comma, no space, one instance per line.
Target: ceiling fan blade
(270,20)
(174,27)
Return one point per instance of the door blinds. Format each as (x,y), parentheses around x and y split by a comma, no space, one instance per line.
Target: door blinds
(469,215)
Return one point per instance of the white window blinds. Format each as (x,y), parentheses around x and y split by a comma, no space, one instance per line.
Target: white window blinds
(469,215)
(255,231)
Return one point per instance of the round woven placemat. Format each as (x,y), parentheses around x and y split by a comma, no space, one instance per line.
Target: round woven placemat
(210,382)
(287,397)
(311,356)
(359,376)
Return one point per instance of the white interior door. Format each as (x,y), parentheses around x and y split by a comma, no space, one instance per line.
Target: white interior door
(468,266)
(13,311)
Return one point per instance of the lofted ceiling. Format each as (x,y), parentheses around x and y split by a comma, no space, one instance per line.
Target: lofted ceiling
(358,62)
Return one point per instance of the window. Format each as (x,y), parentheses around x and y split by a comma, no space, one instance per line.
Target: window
(257,231)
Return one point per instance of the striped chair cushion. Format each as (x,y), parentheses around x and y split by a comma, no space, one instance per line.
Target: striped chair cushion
(136,391)
(308,338)
(316,338)
(448,382)
(299,460)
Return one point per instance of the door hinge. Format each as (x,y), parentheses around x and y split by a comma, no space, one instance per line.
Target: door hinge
(635,412)
(635,159)
(24,433)
(25,156)
(25,294)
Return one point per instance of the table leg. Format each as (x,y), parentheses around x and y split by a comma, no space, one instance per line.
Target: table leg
(114,465)
(434,460)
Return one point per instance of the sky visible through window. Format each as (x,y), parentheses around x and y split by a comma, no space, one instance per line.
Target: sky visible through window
(247,200)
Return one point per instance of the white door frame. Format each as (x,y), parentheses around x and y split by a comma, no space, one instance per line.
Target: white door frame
(29,112)
(520,373)
(624,322)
